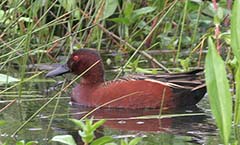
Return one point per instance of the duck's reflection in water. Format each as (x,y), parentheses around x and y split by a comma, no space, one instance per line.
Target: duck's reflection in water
(190,121)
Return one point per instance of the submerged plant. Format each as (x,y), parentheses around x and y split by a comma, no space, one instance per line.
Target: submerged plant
(86,132)
(87,129)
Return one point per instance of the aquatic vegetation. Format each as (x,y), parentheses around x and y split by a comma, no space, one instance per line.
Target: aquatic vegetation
(87,130)
(149,36)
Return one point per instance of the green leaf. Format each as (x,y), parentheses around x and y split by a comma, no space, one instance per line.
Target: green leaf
(5,79)
(144,10)
(143,70)
(25,19)
(102,141)
(109,8)
(32,143)
(120,20)
(112,143)
(36,5)
(220,13)
(185,63)
(218,91)
(66,139)
(2,122)
(79,123)
(89,122)
(22,142)
(235,39)
(237,101)
(68,5)
(235,31)
(135,141)
(124,142)
(87,137)
(98,124)
(2,13)
(128,9)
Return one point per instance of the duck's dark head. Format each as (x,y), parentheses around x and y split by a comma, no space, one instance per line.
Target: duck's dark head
(80,61)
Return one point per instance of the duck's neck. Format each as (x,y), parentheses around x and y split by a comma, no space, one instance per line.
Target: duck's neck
(93,76)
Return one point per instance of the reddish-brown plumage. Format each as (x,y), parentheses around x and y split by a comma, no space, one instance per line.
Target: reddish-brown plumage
(148,91)
(129,94)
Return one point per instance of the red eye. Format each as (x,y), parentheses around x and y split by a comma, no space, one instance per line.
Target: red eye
(76,58)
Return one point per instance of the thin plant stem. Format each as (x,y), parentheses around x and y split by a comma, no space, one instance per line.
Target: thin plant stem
(181,31)
(54,110)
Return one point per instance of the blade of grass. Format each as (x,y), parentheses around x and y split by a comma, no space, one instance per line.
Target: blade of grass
(162,116)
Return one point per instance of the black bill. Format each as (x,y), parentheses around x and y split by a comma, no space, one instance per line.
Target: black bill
(58,71)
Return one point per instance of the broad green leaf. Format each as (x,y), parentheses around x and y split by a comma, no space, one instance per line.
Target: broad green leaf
(109,8)
(66,139)
(218,91)
(235,31)
(135,141)
(5,79)
(102,141)
(235,43)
